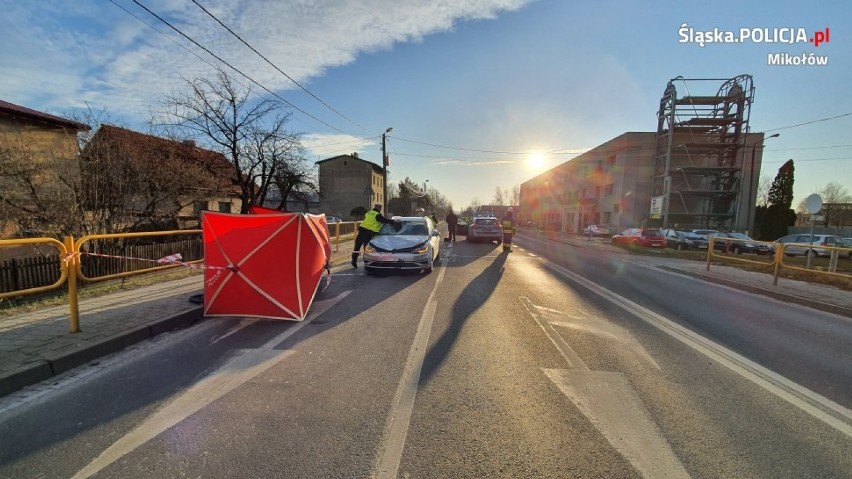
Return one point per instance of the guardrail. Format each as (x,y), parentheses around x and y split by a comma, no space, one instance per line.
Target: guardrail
(71,253)
(342,230)
(775,258)
(70,265)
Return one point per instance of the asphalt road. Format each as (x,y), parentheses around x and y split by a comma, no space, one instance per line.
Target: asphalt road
(546,362)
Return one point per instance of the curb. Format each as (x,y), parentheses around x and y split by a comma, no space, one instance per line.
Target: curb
(36,372)
(788,298)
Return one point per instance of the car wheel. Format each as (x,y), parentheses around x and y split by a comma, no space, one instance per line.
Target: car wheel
(811,254)
(634,244)
(369,270)
(737,250)
(679,247)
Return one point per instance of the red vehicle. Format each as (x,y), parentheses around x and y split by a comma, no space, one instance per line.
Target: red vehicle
(648,238)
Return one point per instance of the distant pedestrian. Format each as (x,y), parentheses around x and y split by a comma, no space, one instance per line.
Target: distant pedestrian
(452,222)
(372,224)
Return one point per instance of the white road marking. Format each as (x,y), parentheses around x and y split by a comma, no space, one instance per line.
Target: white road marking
(818,406)
(603,329)
(399,416)
(242,367)
(564,349)
(610,403)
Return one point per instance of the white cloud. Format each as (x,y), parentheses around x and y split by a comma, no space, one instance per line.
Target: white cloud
(98,53)
(328,145)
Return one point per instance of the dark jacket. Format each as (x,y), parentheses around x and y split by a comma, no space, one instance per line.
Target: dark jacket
(452,218)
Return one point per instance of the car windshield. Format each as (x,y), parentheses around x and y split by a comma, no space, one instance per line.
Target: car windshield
(652,233)
(739,236)
(486,222)
(405,228)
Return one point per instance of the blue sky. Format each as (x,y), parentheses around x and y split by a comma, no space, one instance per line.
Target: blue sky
(519,76)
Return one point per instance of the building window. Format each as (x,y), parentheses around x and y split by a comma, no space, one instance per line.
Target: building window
(607,218)
(615,208)
(224,207)
(609,189)
(199,206)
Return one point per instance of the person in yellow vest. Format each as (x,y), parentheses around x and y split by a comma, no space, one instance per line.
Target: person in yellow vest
(508,223)
(373,221)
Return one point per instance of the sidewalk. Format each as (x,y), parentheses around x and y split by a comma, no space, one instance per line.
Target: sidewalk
(37,346)
(813,295)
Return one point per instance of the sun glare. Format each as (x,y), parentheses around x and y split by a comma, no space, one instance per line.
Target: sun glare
(535,161)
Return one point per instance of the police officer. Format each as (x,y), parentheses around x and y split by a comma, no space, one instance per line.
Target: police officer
(373,221)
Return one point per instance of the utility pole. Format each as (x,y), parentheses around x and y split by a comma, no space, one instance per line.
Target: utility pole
(385,169)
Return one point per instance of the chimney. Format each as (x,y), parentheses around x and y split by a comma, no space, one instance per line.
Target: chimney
(355,155)
(189,143)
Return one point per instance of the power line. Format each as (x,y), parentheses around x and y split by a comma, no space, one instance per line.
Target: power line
(179,32)
(276,67)
(808,148)
(810,122)
(462,149)
(810,159)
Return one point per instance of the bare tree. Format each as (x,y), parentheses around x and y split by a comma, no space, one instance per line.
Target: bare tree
(516,195)
(763,191)
(834,200)
(499,197)
(249,131)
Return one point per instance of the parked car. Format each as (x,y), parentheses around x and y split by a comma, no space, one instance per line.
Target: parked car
(332,219)
(461,227)
(648,238)
(596,230)
(739,243)
(806,245)
(847,243)
(681,240)
(485,229)
(704,232)
(412,243)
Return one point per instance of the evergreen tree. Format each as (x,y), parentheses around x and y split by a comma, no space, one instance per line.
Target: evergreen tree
(773,220)
(781,191)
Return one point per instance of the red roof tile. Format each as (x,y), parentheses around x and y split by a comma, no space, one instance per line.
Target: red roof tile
(14,110)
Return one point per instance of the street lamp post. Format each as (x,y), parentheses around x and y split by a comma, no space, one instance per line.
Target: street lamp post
(751,205)
(385,170)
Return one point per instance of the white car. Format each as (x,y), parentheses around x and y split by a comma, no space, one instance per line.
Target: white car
(806,245)
(412,243)
(596,230)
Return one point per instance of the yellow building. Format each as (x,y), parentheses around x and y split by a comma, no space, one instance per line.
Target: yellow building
(36,153)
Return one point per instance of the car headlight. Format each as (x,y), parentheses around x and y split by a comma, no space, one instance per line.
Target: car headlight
(421,249)
(369,249)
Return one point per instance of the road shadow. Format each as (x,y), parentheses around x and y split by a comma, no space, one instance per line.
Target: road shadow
(477,292)
(148,381)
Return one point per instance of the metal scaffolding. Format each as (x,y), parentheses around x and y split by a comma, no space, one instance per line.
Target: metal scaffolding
(699,154)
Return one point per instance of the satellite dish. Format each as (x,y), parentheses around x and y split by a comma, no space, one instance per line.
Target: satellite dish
(813,203)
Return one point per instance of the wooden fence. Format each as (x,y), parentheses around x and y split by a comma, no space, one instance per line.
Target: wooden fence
(43,270)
